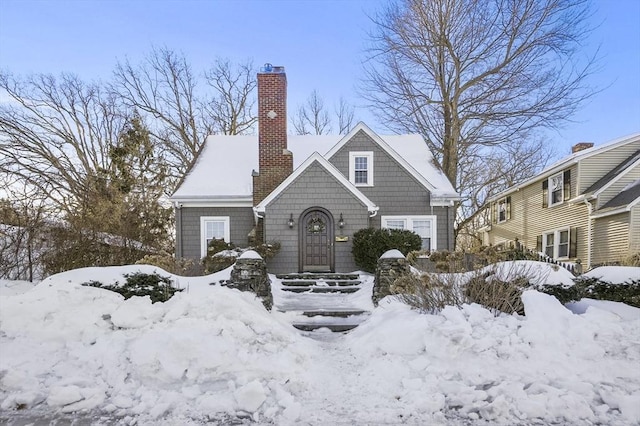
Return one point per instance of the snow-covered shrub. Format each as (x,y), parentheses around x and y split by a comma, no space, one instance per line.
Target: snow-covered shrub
(495,294)
(369,244)
(184,267)
(158,288)
(596,288)
(428,293)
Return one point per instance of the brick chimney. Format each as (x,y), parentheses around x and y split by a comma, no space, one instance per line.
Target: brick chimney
(581,146)
(275,161)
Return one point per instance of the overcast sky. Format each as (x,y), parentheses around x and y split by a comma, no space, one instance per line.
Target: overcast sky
(320,43)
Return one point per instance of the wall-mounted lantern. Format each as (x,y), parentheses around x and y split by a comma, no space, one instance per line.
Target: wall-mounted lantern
(291,221)
(341,222)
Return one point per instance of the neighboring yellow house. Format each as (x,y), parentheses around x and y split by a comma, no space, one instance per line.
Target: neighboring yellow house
(585,207)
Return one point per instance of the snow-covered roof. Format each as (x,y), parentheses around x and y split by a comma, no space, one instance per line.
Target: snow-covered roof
(222,171)
(569,160)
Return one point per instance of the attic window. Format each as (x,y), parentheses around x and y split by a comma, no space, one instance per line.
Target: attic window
(361,168)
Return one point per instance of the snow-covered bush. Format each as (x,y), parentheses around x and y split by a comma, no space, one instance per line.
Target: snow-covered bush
(184,267)
(595,288)
(497,295)
(428,293)
(158,288)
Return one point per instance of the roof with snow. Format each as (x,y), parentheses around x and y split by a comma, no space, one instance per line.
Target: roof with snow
(581,155)
(223,170)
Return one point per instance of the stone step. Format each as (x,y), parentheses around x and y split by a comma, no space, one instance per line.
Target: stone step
(332,313)
(336,328)
(316,289)
(318,276)
(298,283)
(302,283)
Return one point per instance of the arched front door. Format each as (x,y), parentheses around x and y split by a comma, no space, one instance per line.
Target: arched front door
(316,241)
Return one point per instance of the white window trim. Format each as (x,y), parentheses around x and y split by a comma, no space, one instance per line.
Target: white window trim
(203,239)
(501,200)
(556,242)
(352,167)
(550,195)
(409,225)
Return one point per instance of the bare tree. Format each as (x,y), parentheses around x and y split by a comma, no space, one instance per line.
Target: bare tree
(477,77)
(165,89)
(345,114)
(55,133)
(231,109)
(91,164)
(22,238)
(312,117)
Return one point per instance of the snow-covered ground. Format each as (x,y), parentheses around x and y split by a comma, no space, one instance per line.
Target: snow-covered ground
(211,354)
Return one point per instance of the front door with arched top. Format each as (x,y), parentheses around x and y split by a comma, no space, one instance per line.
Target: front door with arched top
(316,241)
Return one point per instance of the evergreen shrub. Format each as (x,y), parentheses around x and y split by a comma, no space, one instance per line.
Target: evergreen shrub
(369,244)
(158,288)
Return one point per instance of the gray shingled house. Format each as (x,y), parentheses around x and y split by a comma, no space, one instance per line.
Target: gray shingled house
(310,193)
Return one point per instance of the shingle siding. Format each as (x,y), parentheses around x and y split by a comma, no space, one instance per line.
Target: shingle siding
(315,187)
(188,227)
(395,191)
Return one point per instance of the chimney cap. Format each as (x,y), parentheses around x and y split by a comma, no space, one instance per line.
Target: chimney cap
(268,68)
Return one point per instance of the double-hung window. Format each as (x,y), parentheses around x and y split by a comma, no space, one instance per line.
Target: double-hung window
(213,228)
(557,243)
(556,186)
(503,208)
(424,226)
(361,168)
(556,189)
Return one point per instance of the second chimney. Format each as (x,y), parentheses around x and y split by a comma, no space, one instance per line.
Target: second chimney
(275,161)
(581,146)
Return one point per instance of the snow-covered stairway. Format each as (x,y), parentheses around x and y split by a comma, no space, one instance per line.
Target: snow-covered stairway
(338,302)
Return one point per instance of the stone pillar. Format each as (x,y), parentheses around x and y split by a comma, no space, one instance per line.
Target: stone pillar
(391,265)
(250,274)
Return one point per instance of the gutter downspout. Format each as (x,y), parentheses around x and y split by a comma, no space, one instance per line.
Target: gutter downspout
(179,248)
(589,230)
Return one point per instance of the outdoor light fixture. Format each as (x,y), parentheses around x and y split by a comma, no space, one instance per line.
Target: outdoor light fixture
(291,221)
(341,222)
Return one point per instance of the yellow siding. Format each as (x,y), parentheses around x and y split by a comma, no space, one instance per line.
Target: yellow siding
(529,219)
(634,230)
(611,239)
(598,165)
